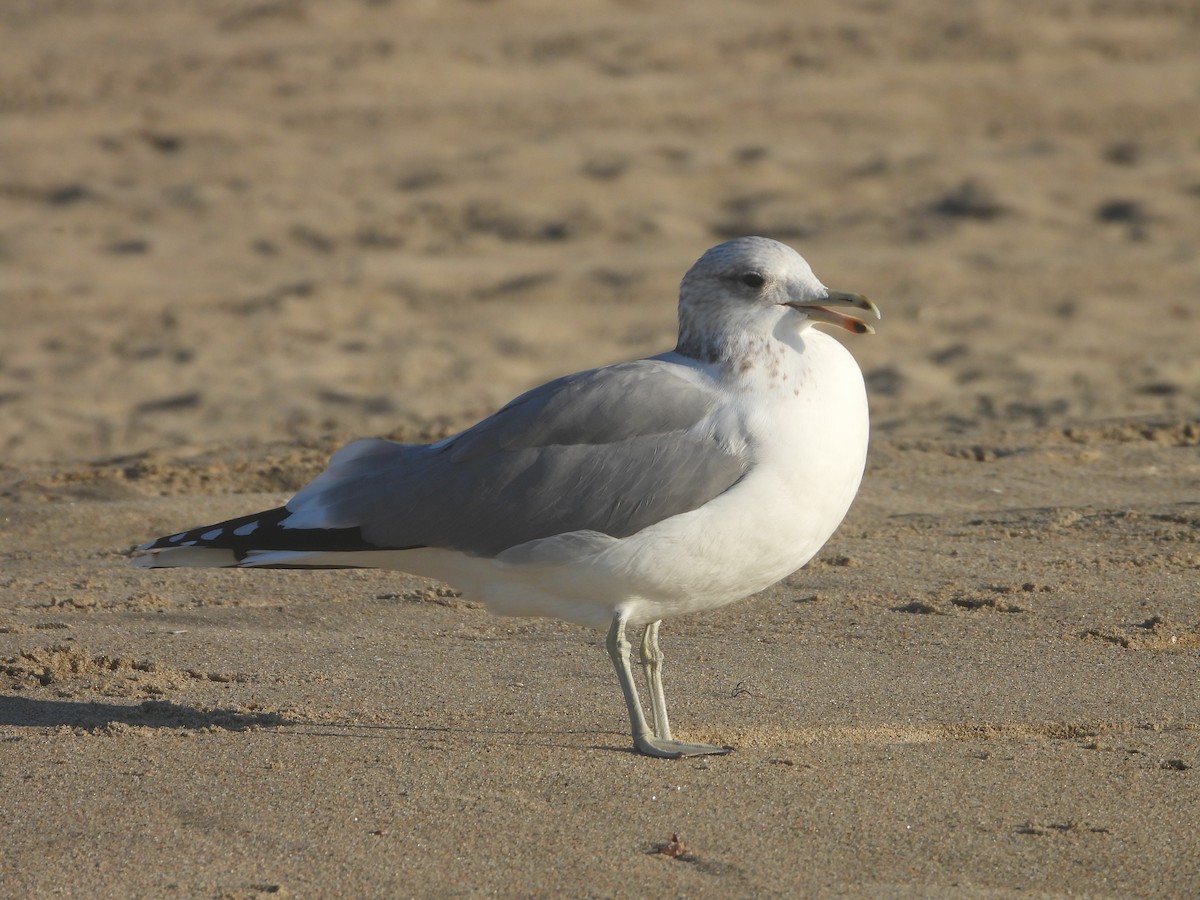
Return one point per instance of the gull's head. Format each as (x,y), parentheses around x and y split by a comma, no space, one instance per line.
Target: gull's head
(751,286)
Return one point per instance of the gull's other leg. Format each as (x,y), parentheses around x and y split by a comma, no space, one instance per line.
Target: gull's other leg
(643,740)
(652,660)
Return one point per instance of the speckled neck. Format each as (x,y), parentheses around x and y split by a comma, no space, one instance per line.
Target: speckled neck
(702,346)
(735,346)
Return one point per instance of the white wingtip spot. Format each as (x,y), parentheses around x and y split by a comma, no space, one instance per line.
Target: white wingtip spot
(176,538)
(211,535)
(248,528)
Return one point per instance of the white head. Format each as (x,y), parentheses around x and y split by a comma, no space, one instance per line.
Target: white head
(741,291)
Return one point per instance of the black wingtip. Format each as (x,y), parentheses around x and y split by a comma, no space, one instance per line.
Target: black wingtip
(264,531)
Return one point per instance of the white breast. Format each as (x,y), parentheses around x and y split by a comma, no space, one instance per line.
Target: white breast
(808,432)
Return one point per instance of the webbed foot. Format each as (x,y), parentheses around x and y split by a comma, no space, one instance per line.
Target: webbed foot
(670,749)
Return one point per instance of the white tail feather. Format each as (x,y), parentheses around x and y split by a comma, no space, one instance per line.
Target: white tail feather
(172,557)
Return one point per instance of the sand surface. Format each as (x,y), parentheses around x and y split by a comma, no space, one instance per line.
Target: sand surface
(234,235)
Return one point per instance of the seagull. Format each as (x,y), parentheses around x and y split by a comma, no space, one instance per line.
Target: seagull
(615,497)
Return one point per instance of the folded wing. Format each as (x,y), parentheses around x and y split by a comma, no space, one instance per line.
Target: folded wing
(610,450)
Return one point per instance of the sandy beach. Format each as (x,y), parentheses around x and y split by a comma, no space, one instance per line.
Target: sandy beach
(234,236)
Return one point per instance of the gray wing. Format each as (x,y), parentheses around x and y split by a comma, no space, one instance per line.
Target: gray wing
(610,450)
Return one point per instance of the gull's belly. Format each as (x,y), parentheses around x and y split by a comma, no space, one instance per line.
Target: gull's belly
(754,535)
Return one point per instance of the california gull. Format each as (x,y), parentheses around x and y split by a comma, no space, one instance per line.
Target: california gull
(614,497)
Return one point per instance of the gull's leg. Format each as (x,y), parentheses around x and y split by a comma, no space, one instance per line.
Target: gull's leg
(618,652)
(643,740)
(652,660)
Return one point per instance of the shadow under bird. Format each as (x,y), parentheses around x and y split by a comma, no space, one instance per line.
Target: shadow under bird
(619,496)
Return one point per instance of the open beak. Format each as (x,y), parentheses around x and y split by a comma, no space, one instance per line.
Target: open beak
(819,311)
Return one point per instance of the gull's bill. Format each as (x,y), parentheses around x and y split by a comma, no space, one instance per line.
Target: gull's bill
(819,311)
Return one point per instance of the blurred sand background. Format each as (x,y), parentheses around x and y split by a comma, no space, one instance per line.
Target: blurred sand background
(234,235)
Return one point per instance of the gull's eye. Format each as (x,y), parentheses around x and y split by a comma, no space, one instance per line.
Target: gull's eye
(753,280)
